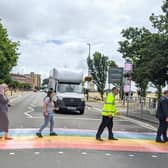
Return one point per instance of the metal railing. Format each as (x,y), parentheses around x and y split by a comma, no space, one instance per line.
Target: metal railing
(142,108)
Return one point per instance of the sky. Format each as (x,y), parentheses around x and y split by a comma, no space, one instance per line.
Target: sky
(55,33)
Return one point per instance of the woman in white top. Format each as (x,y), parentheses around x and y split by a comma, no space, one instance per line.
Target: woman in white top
(48,107)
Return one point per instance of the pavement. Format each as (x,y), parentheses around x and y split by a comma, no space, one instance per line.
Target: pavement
(75,144)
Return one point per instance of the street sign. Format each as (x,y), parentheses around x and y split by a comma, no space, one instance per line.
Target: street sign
(127,88)
(128,67)
(115,75)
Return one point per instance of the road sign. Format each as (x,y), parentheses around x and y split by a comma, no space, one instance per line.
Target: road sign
(115,75)
(127,88)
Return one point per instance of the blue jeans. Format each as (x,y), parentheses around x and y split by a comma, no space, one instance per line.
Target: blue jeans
(47,119)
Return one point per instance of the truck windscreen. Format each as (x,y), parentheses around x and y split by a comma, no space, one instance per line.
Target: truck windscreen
(66,87)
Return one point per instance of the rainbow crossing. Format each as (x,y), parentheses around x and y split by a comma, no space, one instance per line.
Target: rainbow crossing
(83,139)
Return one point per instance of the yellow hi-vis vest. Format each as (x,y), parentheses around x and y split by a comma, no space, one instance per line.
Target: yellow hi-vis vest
(109,107)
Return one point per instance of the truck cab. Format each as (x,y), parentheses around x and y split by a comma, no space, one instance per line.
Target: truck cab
(69,91)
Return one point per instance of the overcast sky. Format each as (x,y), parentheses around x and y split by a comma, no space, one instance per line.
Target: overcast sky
(55,33)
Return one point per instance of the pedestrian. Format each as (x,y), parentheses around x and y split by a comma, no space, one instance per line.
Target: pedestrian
(162,115)
(4,103)
(48,107)
(109,111)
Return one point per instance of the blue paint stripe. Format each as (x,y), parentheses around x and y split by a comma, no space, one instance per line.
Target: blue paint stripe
(84,133)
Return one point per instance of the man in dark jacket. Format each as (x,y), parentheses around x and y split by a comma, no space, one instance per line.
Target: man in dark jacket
(162,115)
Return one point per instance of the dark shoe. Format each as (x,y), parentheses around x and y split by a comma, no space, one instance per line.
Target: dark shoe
(165,139)
(53,134)
(114,139)
(99,139)
(39,135)
(160,141)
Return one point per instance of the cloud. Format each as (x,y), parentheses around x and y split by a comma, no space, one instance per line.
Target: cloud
(55,33)
(56,42)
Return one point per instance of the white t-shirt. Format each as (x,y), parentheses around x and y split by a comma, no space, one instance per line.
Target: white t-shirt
(49,104)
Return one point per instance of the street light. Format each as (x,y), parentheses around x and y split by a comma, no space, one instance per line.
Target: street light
(89,48)
(89,44)
(89,74)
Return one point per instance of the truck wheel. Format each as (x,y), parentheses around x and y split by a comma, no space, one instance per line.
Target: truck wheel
(82,111)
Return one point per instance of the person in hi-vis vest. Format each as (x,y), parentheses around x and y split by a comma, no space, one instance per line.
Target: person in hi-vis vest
(109,111)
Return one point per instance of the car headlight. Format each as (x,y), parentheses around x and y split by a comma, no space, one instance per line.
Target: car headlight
(59,98)
(82,99)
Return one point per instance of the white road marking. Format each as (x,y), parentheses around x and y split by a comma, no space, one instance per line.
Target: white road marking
(131,155)
(12,153)
(62,118)
(60,153)
(154,156)
(140,123)
(33,105)
(108,154)
(28,112)
(98,109)
(84,153)
(36,153)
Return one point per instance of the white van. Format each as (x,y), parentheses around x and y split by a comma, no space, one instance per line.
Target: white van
(69,91)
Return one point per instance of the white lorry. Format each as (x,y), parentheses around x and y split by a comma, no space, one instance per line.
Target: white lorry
(68,87)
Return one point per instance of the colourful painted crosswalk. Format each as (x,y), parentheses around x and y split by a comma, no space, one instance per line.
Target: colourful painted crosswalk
(83,139)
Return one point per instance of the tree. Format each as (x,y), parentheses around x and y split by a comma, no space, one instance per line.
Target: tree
(98,67)
(14,85)
(8,54)
(134,48)
(160,22)
(148,52)
(112,64)
(45,81)
(26,86)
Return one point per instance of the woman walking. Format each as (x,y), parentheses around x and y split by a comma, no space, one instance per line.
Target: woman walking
(48,107)
(4,122)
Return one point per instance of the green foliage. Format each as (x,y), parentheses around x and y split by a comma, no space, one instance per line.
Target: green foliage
(98,67)
(160,22)
(45,81)
(134,48)
(14,84)
(148,52)
(8,54)
(17,85)
(112,64)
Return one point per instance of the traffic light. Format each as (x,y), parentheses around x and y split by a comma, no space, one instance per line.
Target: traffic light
(127,75)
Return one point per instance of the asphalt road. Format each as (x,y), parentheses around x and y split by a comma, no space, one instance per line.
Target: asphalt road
(26,114)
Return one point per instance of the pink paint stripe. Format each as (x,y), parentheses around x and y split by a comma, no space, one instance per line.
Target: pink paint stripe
(71,143)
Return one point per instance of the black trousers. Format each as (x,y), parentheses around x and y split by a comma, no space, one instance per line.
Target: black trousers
(106,122)
(162,130)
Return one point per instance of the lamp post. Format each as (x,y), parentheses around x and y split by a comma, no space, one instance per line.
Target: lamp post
(89,75)
(89,48)
(89,56)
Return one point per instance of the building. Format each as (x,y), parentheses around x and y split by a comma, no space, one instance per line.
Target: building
(29,79)
(33,79)
(18,77)
(36,78)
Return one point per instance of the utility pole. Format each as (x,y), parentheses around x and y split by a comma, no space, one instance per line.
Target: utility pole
(89,48)
(89,74)
(89,44)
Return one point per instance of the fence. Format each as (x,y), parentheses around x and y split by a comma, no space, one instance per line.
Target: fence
(142,108)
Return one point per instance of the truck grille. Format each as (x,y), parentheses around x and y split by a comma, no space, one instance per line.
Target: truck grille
(72,101)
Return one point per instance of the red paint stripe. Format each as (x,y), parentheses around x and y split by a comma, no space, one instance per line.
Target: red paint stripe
(85,143)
